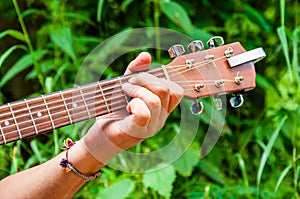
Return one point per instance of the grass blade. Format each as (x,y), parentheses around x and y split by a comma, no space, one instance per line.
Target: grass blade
(243,168)
(4,56)
(295,61)
(14,33)
(268,150)
(282,11)
(283,40)
(281,177)
(99,10)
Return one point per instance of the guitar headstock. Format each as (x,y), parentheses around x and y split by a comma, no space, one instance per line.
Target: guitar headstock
(218,70)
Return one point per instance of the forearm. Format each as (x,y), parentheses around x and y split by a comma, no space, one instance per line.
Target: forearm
(49,180)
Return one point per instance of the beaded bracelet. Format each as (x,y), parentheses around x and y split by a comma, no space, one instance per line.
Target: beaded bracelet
(67,166)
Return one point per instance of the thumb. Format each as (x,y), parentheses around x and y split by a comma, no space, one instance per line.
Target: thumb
(140,63)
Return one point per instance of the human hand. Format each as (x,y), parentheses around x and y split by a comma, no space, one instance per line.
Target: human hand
(153,99)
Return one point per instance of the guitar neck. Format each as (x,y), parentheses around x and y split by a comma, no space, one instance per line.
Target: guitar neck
(29,117)
(224,69)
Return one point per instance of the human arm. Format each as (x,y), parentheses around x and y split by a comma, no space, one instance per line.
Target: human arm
(152,101)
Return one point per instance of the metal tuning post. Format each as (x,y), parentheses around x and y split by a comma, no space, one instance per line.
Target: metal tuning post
(217,103)
(195,46)
(176,50)
(197,107)
(236,100)
(215,42)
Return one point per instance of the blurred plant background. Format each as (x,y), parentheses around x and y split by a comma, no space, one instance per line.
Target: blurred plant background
(43,43)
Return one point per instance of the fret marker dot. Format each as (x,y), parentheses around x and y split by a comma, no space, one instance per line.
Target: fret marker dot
(6,123)
(74,105)
(39,114)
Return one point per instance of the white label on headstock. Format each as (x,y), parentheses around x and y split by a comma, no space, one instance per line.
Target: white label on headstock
(252,55)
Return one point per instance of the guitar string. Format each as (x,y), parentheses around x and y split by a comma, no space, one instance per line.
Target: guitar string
(159,74)
(114,81)
(199,64)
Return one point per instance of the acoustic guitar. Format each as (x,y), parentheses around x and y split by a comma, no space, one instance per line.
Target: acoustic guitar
(221,69)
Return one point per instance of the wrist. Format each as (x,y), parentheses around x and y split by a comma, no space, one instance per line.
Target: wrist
(98,145)
(82,160)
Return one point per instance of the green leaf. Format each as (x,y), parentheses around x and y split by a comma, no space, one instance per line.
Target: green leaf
(176,13)
(62,37)
(4,56)
(119,190)
(212,171)
(80,18)
(283,39)
(161,180)
(34,11)
(295,61)
(14,33)
(263,82)
(282,175)
(282,11)
(257,17)
(186,163)
(268,150)
(49,84)
(99,10)
(36,151)
(23,63)
(243,168)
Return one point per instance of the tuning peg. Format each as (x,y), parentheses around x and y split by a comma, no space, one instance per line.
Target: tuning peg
(197,108)
(215,42)
(217,103)
(176,50)
(236,100)
(195,46)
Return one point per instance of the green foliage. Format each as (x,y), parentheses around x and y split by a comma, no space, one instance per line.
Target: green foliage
(43,44)
(118,190)
(161,180)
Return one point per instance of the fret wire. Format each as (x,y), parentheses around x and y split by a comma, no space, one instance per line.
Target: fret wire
(49,114)
(66,107)
(115,108)
(86,107)
(33,122)
(2,133)
(123,93)
(16,124)
(103,96)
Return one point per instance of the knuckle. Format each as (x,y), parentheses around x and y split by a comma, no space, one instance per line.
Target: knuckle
(154,101)
(163,91)
(145,117)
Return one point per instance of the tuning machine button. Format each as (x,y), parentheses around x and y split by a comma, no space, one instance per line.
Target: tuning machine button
(236,100)
(195,46)
(197,107)
(217,103)
(215,42)
(176,50)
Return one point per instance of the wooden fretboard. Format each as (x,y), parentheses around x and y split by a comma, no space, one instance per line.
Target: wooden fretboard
(29,117)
